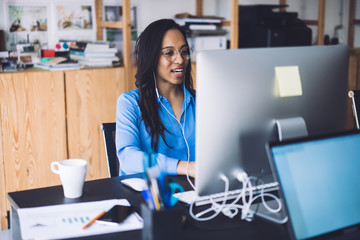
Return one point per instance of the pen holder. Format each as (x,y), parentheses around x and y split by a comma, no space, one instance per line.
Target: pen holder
(162,225)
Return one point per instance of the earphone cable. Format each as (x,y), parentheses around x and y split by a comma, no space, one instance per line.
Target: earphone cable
(181,126)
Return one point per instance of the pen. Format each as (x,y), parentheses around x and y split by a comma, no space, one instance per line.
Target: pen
(155,198)
(148,198)
(155,185)
(93,220)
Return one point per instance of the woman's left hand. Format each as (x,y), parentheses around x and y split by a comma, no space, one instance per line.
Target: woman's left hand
(183,166)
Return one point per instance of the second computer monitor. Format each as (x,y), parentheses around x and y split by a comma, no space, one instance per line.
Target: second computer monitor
(237,107)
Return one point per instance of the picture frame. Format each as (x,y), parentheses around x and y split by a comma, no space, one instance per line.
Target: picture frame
(26,23)
(112,13)
(75,17)
(27,18)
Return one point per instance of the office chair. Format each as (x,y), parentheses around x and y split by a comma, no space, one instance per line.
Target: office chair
(355,99)
(110,148)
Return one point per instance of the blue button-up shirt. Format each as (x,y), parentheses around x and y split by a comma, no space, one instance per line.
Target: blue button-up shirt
(132,138)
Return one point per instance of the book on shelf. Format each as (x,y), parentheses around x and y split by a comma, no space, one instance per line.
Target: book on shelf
(87,46)
(200,33)
(102,50)
(187,22)
(96,64)
(94,59)
(91,53)
(197,26)
(193,18)
(97,45)
(57,67)
(79,48)
(183,21)
(202,27)
(4,54)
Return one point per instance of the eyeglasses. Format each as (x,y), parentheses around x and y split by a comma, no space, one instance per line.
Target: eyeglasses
(171,53)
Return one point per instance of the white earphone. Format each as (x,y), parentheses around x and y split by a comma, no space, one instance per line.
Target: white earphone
(172,115)
(182,127)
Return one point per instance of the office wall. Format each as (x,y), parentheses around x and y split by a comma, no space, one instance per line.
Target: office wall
(337,13)
(150,10)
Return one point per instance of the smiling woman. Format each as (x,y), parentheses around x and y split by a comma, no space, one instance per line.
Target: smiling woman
(159,116)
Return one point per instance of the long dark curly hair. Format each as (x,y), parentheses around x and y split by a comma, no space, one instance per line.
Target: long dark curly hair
(147,50)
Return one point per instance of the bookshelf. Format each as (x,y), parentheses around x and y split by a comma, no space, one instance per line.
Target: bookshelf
(233,22)
(125,25)
(234,25)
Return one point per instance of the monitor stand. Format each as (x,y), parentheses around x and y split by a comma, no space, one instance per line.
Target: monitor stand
(289,128)
(277,217)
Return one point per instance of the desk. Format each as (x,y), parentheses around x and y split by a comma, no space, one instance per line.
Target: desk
(110,188)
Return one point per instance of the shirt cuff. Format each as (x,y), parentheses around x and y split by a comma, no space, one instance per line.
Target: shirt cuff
(166,164)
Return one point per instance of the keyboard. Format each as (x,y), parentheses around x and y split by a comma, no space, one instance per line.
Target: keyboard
(191,196)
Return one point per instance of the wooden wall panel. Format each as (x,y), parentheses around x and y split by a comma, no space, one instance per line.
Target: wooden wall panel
(32,128)
(91,97)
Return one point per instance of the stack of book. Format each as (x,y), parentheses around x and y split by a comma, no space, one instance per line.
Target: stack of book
(4,54)
(57,64)
(94,54)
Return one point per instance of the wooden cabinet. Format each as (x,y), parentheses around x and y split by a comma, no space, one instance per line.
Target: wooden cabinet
(91,100)
(33,131)
(50,116)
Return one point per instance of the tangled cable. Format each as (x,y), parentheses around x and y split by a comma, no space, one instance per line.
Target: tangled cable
(232,209)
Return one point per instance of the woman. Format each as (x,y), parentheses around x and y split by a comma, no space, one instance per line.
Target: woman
(159,116)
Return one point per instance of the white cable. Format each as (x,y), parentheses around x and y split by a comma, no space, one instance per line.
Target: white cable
(273,210)
(214,207)
(248,213)
(187,145)
(183,134)
(182,129)
(230,210)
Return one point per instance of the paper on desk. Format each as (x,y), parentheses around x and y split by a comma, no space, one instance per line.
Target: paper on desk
(64,221)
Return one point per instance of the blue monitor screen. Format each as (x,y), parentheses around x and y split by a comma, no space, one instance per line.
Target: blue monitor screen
(320,182)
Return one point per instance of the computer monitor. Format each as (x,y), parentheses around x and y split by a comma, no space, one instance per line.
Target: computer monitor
(237,108)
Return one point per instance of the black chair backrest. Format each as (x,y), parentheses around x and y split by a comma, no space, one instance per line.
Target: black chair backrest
(355,96)
(110,148)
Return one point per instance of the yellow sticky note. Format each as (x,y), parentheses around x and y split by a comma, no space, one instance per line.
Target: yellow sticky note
(288,81)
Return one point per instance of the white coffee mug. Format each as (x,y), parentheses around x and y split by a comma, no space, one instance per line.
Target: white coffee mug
(72,175)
